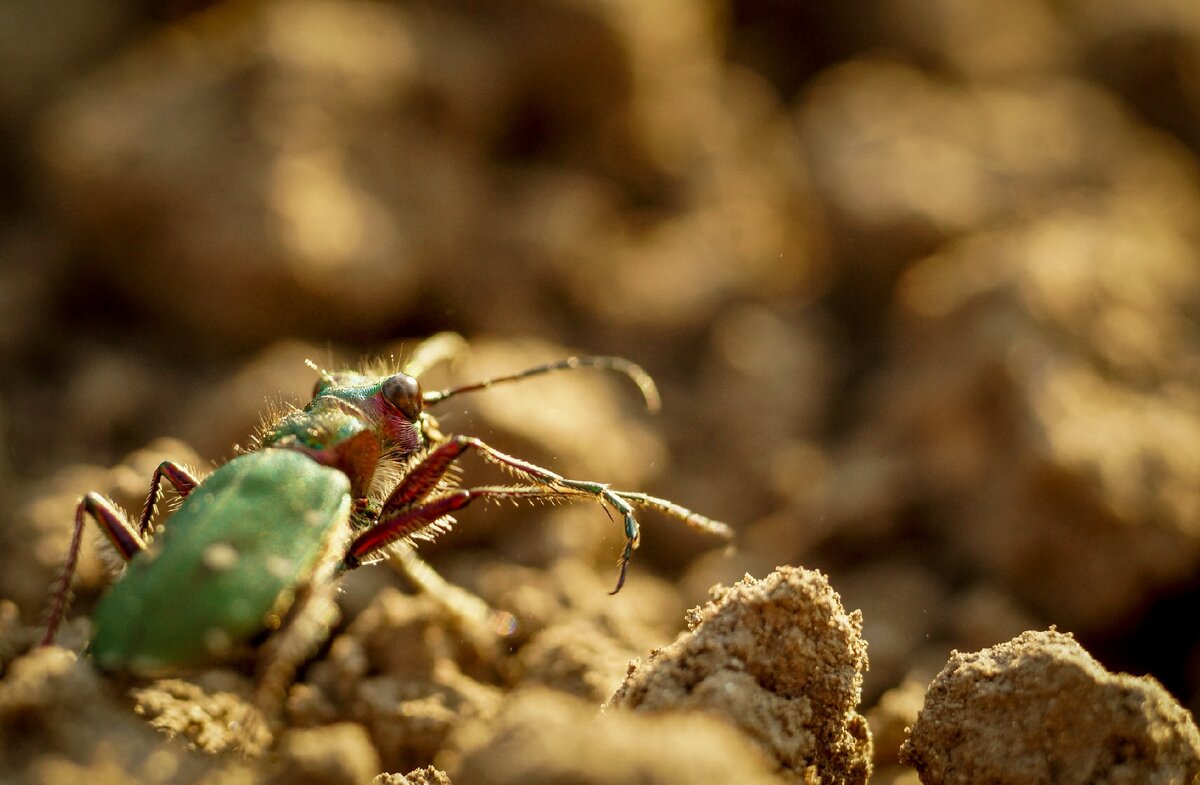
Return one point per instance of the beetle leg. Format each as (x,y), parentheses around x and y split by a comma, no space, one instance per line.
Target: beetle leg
(403,515)
(311,616)
(555,484)
(423,479)
(392,528)
(435,350)
(693,519)
(180,478)
(470,612)
(125,539)
(309,620)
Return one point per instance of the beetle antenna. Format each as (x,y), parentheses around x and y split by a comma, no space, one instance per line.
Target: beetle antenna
(619,364)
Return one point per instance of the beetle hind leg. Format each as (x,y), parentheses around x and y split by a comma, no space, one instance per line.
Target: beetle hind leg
(127,540)
(308,622)
(117,529)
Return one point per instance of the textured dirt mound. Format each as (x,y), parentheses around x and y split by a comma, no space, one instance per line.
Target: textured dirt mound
(586,748)
(1039,709)
(919,288)
(781,660)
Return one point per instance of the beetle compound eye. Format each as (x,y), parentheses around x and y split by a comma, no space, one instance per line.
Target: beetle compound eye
(403,392)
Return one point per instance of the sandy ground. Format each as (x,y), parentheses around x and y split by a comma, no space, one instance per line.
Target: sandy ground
(919,287)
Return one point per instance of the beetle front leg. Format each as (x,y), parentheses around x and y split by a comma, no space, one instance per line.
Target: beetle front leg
(555,485)
(424,478)
(623,502)
(392,528)
(401,516)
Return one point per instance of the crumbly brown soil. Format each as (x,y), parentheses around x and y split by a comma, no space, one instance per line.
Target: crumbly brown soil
(1040,709)
(920,288)
(780,660)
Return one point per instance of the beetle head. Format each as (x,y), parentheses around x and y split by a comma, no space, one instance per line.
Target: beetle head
(392,406)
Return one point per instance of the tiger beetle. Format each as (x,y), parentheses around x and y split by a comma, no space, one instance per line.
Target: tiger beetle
(253,554)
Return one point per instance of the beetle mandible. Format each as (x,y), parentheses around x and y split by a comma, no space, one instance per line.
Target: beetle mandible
(256,547)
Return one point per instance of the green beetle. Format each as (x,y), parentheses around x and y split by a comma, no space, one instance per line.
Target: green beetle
(251,557)
(227,566)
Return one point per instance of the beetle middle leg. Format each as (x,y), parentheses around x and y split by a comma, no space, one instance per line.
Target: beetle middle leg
(470,613)
(127,540)
(182,480)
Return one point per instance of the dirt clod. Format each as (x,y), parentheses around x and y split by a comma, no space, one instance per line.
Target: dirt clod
(781,660)
(339,754)
(1040,709)
(424,776)
(585,748)
(207,721)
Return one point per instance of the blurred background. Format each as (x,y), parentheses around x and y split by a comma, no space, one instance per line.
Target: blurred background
(920,280)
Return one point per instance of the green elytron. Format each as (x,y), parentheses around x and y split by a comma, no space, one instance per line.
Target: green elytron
(251,557)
